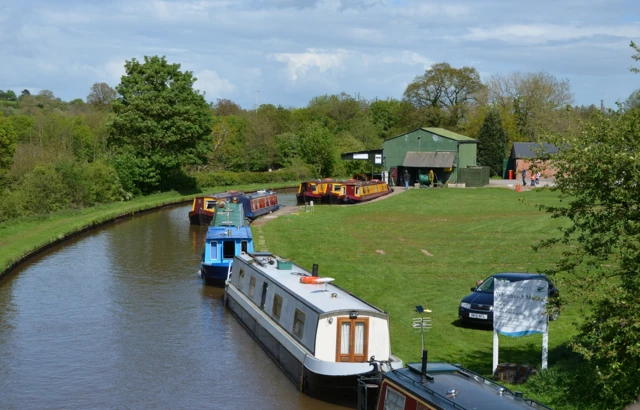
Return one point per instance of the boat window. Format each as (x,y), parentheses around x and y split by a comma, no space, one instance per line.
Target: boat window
(344,190)
(358,191)
(229,249)
(244,245)
(241,279)
(393,400)
(252,287)
(265,287)
(277,306)
(213,250)
(210,205)
(298,324)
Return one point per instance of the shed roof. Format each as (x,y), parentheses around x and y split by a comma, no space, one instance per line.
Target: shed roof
(449,134)
(443,133)
(429,159)
(532,149)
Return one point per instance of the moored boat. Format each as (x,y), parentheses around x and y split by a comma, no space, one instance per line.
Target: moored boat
(441,386)
(259,203)
(354,191)
(204,207)
(318,191)
(322,337)
(229,235)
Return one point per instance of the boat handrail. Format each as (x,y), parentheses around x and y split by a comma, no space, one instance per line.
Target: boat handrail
(431,391)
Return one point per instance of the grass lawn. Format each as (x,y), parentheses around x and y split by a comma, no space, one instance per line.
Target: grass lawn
(471,233)
(20,237)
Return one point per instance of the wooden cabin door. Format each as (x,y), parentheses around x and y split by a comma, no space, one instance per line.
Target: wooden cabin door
(352,343)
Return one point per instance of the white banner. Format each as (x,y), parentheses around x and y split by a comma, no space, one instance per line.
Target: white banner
(360,156)
(378,159)
(519,307)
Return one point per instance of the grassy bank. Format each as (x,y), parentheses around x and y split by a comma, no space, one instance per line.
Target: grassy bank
(471,234)
(22,237)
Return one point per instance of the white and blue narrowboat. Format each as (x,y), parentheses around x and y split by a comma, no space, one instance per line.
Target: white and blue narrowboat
(229,235)
(323,337)
(259,203)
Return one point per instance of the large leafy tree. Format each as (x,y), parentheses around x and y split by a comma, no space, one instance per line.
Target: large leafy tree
(317,147)
(161,123)
(598,176)
(447,88)
(492,143)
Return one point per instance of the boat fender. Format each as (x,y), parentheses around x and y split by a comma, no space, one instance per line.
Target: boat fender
(314,280)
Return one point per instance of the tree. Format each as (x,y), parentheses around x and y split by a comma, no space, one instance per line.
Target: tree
(445,87)
(8,95)
(636,57)
(633,101)
(101,95)
(598,175)
(317,147)
(492,143)
(24,93)
(7,145)
(537,102)
(224,107)
(161,123)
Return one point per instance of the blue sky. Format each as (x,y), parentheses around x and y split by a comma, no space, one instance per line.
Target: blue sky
(285,52)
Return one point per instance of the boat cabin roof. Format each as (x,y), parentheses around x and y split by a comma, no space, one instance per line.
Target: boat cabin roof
(233,232)
(232,215)
(324,298)
(454,387)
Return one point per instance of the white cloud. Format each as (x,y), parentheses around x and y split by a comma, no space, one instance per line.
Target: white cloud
(210,82)
(408,58)
(542,33)
(298,64)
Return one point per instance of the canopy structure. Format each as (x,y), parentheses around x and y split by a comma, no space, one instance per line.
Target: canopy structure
(429,159)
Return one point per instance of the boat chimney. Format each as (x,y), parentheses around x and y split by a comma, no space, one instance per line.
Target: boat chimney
(314,271)
(423,371)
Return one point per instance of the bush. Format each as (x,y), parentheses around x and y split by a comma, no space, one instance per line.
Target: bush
(221,179)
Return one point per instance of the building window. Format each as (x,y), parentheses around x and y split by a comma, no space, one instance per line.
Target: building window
(244,245)
(298,324)
(241,279)
(393,400)
(277,306)
(252,287)
(213,251)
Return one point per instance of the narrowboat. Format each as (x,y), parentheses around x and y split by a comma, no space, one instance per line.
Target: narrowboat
(259,203)
(439,386)
(323,337)
(318,191)
(353,191)
(228,236)
(204,207)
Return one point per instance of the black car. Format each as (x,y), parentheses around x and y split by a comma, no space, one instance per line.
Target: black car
(477,307)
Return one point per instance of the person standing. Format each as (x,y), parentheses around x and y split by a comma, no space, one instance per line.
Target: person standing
(538,178)
(407,178)
(524,175)
(533,179)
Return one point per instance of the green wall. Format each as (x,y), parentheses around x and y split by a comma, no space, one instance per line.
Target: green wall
(395,149)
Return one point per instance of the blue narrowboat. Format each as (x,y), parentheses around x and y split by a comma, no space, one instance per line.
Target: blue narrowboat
(229,235)
(259,203)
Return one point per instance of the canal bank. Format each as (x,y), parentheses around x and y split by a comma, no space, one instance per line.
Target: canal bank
(25,238)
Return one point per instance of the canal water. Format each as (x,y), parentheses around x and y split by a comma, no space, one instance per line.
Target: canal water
(117,319)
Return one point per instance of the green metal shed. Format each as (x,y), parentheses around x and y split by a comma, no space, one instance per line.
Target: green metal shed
(423,149)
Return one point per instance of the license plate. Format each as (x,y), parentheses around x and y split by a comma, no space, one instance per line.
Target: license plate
(477,316)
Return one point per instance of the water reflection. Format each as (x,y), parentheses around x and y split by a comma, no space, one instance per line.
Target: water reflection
(117,319)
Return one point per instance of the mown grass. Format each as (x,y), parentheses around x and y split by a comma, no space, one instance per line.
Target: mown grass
(471,234)
(20,237)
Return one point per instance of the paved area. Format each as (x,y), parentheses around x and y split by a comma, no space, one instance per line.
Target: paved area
(511,183)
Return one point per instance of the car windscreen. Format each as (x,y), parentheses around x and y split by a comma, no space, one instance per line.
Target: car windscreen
(486,286)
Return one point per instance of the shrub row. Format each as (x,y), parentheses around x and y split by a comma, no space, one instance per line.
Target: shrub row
(214,179)
(54,187)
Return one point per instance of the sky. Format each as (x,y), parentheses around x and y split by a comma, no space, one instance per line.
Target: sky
(285,52)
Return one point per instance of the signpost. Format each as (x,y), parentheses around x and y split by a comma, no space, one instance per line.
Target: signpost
(519,309)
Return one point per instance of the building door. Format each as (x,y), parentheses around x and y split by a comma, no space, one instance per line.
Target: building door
(353,336)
